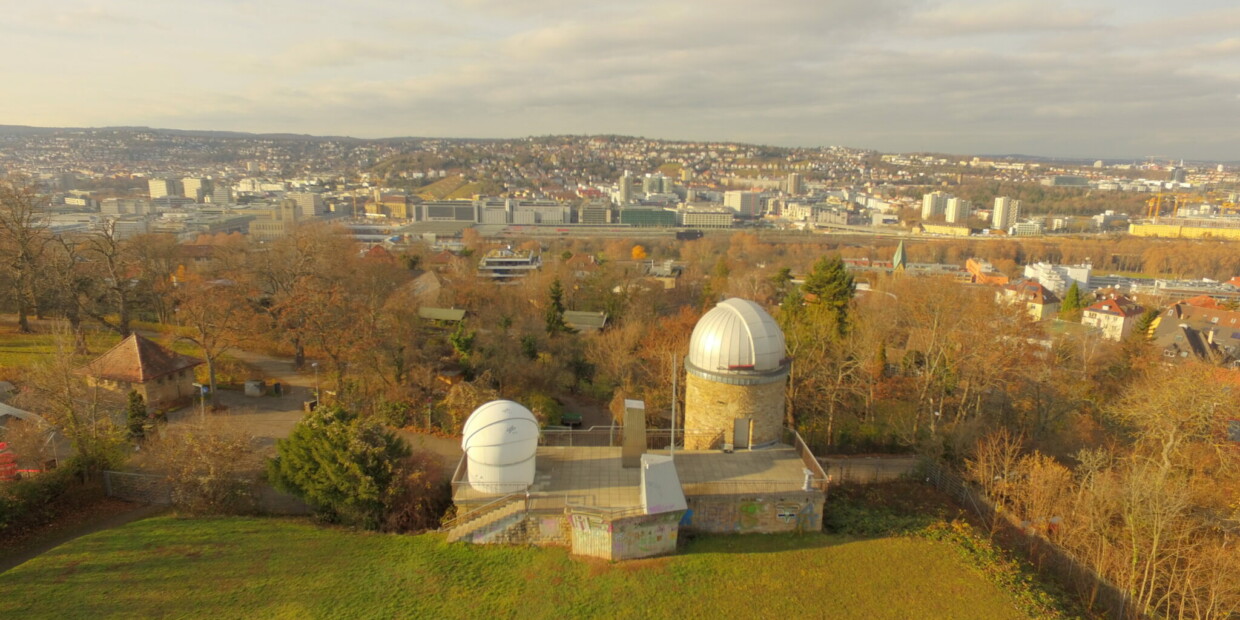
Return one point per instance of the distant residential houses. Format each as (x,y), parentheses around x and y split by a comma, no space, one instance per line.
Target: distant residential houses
(1199,328)
(1114,317)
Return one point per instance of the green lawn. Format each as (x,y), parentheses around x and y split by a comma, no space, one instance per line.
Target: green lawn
(18,350)
(262,568)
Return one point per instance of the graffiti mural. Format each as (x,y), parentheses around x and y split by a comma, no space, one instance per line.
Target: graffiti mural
(750,514)
(787,512)
(808,519)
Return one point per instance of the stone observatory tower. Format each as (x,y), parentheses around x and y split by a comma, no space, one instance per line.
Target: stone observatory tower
(736,371)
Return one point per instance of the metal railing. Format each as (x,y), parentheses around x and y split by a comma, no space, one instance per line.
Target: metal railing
(820,477)
(613,437)
(752,487)
(481,511)
(606,512)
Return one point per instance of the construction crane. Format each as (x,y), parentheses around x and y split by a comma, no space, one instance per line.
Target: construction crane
(1174,201)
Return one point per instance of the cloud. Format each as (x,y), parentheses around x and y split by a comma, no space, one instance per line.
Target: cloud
(1022,17)
(890,74)
(336,53)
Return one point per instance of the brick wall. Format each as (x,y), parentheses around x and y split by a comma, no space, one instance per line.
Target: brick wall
(712,406)
(624,538)
(756,514)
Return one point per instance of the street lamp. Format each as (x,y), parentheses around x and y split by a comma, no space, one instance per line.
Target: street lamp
(202,401)
(315,366)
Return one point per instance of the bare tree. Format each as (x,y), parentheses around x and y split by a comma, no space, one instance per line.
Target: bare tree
(24,237)
(115,267)
(86,414)
(216,313)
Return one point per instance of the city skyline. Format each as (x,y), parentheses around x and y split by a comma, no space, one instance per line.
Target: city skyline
(1094,79)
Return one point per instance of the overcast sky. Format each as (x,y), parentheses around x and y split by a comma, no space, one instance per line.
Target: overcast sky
(1085,78)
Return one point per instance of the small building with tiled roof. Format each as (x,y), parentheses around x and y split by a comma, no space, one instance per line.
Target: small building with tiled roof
(162,376)
(1114,316)
(1040,302)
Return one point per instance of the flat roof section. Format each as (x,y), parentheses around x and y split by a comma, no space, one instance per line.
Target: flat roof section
(592,475)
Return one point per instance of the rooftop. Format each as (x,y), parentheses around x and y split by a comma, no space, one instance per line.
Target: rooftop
(592,475)
(138,359)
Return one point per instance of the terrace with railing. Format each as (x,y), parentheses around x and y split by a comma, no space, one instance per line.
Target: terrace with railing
(582,468)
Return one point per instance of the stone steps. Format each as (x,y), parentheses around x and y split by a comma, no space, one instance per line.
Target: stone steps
(467,529)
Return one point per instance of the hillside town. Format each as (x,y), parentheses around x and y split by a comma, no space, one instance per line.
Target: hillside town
(677,340)
(138,181)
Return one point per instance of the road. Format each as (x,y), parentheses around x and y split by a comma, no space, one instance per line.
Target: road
(270,417)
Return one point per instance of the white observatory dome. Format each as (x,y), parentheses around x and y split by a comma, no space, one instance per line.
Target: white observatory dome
(500,439)
(738,336)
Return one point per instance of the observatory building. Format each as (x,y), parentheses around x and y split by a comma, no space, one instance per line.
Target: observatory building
(736,371)
(620,492)
(500,439)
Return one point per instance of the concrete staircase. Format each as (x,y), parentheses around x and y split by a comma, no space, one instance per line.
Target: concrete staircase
(490,523)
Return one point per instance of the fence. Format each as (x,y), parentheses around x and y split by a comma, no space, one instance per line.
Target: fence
(613,437)
(1099,595)
(155,489)
(869,470)
(140,488)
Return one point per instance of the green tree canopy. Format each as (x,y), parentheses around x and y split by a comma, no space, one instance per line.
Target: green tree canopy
(555,310)
(344,466)
(1072,305)
(831,286)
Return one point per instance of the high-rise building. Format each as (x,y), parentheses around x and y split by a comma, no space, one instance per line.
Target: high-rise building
(163,187)
(1006,212)
(309,204)
(743,203)
(796,184)
(625,195)
(195,188)
(221,194)
(934,203)
(655,184)
(958,210)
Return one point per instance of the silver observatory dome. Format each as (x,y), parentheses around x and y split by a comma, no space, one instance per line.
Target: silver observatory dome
(737,337)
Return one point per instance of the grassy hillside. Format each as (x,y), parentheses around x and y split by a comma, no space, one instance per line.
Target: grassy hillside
(261,568)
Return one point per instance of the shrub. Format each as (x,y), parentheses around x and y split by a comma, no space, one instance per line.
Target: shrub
(419,496)
(395,414)
(548,410)
(343,465)
(211,471)
(32,501)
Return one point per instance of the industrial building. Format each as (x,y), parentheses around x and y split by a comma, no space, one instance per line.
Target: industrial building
(624,492)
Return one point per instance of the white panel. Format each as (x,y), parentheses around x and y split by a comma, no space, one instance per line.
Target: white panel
(661,491)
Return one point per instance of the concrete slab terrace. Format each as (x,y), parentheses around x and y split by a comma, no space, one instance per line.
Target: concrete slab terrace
(592,475)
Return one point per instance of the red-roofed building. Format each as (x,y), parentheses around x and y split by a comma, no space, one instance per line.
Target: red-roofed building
(379,255)
(160,375)
(1203,301)
(1115,316)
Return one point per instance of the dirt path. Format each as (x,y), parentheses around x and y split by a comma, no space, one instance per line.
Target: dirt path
(28,550)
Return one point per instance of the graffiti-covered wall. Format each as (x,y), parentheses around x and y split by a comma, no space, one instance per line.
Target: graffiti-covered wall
(624,538)
(761,514)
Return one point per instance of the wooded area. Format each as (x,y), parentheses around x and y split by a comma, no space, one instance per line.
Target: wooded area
(1128,454)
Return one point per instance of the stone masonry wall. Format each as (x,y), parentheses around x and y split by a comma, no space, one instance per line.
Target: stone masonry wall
(713,406)
(756,514)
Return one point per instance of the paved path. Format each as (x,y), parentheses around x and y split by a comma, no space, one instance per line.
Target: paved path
(43,546)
